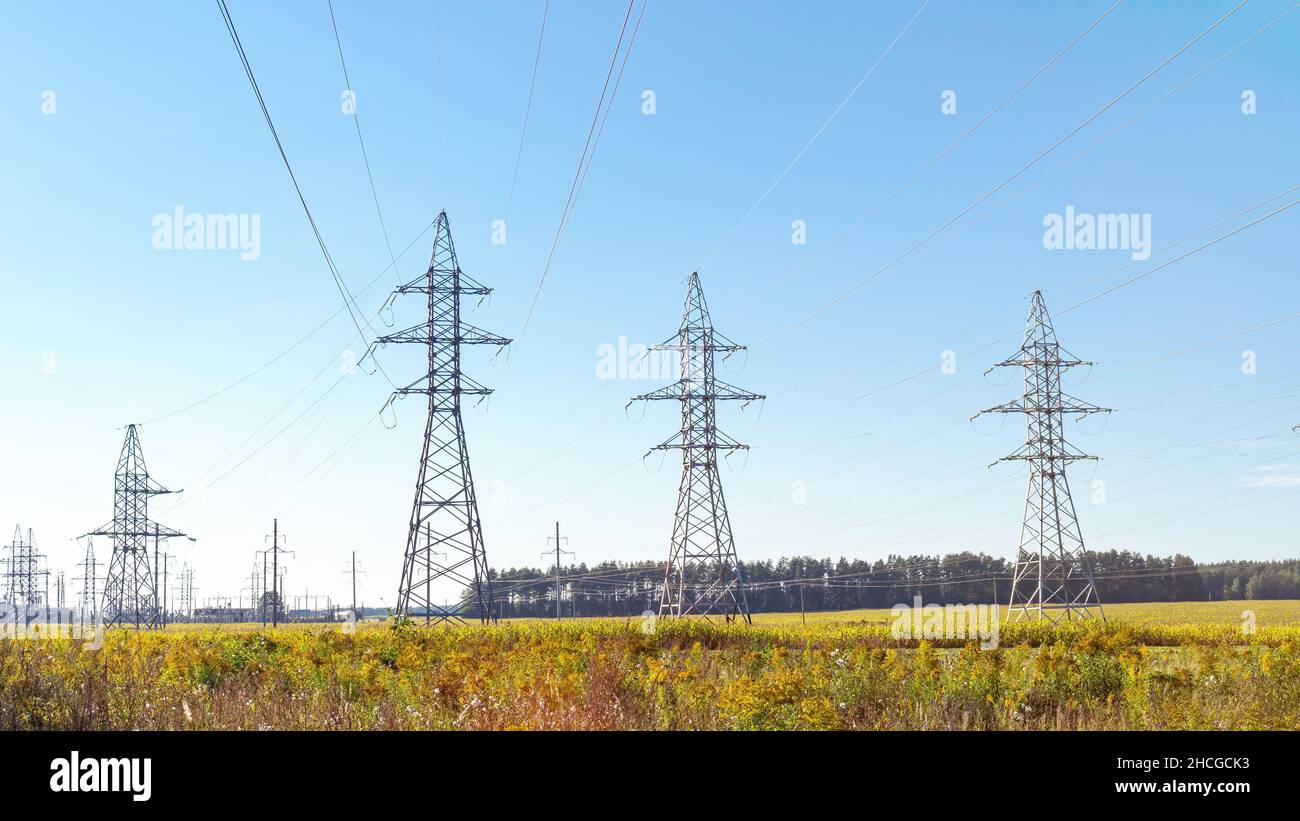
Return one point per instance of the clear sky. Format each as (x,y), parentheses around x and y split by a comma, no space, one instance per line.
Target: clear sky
(151,111)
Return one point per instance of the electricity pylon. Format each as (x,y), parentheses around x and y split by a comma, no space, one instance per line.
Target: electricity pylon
(277,573)
(26,582)
(187,590)
(353,570)
(131,588)
(703,574)
(444,541)
(560,541)
(89,588)
(1053,576)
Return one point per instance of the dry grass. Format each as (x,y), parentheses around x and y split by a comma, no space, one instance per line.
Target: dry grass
(1266,613)
(608,674)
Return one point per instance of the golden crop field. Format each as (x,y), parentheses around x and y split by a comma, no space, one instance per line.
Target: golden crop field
(1156,666)
(1274,613)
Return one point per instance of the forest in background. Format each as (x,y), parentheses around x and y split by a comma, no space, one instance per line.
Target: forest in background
(808,583)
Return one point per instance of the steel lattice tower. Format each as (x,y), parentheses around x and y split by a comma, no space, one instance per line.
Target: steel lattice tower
(1053,576)
(131,588)
(89,589)
(445,539)
(26,582)
(703,574)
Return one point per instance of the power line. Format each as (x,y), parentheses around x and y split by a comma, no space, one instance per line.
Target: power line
(260,447)
(845,295)
(528,107)
(339,451)
(241,380)
(803,528)
(1181,257)
(818,133)
(951,146)
(584,159)
(1253,329)
(314,404)
(1083,284)
(365,156)
(348,300)
(1103,138)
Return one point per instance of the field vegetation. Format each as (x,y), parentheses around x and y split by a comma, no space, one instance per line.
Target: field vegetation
(1166,666)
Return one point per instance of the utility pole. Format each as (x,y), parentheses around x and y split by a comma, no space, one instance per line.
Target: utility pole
(185,591)
(188,589)
(352,570)
(165,590)
(263,605)
(1053,576)
(703,573)
(558,542)
(275,551)
(157,598)
(445,511)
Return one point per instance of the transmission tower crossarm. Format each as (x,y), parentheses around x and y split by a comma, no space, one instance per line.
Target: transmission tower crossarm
(672,391)
(1029,452)
(680,441)
(1040,358)
(686,388)
(465,284)
(419,335)
(467,387)
(105,529)
(721,390)
(672,343)
(152,529)
(1062,404)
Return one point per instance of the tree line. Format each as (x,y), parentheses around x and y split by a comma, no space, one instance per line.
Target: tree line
(809,583)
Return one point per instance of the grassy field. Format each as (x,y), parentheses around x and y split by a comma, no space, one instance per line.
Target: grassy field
(1277,613)
(1152,666)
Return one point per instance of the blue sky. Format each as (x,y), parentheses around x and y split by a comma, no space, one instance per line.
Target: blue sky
(152,111)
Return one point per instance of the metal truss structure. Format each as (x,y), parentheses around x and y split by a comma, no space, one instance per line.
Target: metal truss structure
(131,588)
(1053,576)
(703,575)
(445,537)
(26,581)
